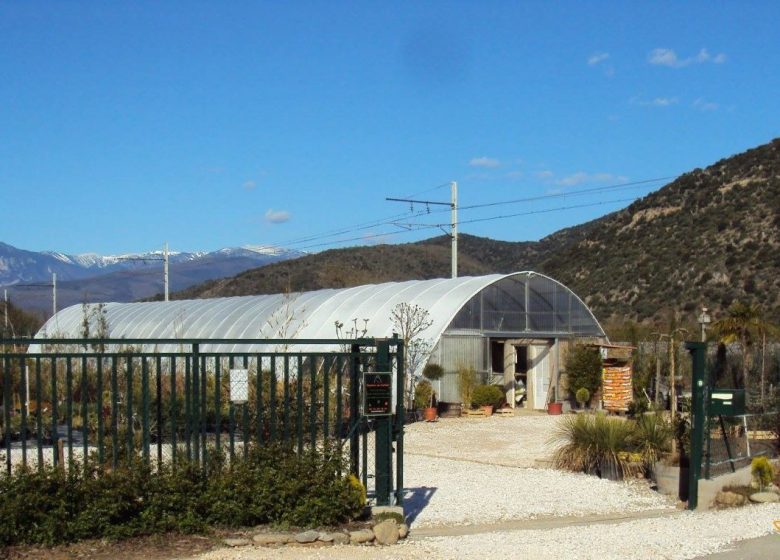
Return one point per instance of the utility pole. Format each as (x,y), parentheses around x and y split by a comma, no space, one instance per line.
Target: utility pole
(454,227)
(453,204)
(5,308)
(165,269)
(53,293)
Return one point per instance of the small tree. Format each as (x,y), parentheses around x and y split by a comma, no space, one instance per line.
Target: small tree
(410,321)
(583,369)
(582,396)
(433,372)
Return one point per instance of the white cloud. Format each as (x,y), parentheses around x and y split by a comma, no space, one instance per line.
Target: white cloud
(276,216)
(546,174)
(250,184)
(484,161)
(655,102)
(597,57)
(667,57)
(703,105)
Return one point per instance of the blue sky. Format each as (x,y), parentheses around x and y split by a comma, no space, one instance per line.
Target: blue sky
(213,124)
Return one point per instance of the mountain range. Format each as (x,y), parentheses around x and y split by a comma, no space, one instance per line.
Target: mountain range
(708,238)
(27,275)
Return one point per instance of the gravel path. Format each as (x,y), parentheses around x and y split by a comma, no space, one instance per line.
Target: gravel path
(475,472)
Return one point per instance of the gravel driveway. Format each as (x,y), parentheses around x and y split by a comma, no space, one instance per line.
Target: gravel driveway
(464,475)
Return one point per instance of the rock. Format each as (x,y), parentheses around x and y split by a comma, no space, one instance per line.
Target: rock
(326,537)
(307,536)
(764,497)
(730,499)
(361,537)
(267,539)
(403,530)
(340,538)
(386,532)
(236,542)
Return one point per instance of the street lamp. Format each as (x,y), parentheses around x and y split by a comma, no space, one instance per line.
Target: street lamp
(704,320)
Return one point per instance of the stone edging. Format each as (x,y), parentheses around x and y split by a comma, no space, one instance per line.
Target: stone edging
(386,532)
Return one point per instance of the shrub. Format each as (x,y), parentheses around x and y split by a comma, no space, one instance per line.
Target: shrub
(487,395)
(422,394)
(582,396)
(763,472)
(594,444)
(271,485)
(467,378)
(653,436)
(433,371)
(583,369)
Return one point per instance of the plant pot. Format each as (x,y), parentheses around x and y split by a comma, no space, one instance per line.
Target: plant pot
(554,408)
(672,480)
(430,414)
(488,409)
(609,470)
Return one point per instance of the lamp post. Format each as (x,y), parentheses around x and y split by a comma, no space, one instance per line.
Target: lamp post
(704,320)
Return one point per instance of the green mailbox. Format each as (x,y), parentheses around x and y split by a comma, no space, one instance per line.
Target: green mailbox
(727,402)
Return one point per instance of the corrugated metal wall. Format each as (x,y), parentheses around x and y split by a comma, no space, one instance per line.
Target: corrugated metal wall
(453,351)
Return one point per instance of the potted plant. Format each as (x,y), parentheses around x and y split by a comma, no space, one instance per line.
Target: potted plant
(583,396)
(423,394)
(487,397)
(431,372)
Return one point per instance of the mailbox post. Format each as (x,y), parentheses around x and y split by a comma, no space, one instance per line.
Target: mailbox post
(700,388)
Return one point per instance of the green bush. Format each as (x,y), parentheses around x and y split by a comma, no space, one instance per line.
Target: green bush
(763,472)
(487,395)
(433,371)
(422,394)
(582,396)
(273,485)
(583,369)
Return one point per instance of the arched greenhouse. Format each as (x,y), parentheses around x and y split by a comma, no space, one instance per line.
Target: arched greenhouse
(510,328)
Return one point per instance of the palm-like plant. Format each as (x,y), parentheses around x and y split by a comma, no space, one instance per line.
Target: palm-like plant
(744,324)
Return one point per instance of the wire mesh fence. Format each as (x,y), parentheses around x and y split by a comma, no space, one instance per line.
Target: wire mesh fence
(733,441)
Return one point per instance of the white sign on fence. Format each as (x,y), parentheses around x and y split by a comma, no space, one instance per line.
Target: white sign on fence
(239,386)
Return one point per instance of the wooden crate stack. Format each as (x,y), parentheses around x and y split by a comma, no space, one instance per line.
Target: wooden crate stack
(617,392)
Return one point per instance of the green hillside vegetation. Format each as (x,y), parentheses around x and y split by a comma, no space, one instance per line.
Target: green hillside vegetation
(711,237)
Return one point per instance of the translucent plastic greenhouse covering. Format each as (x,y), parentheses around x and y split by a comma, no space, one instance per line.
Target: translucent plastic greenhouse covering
(524,303)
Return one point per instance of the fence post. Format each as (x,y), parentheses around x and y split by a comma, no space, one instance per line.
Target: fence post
(400,420)
(354,393)
(699,395)
(384,444)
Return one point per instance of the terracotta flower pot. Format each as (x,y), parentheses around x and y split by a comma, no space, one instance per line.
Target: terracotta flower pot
(429,414)
(488,409)
(554,408)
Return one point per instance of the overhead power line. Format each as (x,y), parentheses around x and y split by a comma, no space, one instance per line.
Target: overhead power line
(419,227)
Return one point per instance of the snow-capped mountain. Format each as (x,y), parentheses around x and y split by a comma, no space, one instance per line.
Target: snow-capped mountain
(126,277)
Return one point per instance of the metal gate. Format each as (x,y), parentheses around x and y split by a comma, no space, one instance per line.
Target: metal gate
(64,400)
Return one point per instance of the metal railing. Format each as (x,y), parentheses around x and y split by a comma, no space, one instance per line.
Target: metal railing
(64,400)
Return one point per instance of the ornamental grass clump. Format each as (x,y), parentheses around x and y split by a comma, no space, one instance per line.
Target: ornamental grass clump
(594,444)
(652,438)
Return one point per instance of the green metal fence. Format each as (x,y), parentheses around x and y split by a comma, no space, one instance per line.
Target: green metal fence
(67,399)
